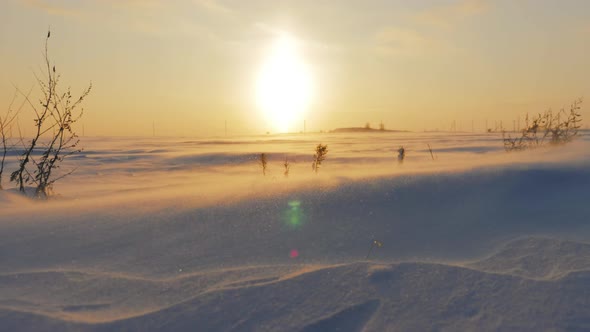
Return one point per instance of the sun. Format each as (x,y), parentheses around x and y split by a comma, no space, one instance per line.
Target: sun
(284,86)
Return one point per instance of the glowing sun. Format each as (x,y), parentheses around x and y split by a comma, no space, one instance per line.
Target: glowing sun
(284,87)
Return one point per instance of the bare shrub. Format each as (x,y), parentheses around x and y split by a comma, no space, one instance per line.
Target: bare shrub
(54,135)
(287,166)
(6,126)
(548,127)
(263,162)
(401,154)
(320,155)
(431,153)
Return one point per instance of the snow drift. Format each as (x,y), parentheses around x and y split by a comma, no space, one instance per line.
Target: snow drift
(177,234)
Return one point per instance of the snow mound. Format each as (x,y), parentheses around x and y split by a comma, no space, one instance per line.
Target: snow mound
(358,296)
(537,257)
(153,235)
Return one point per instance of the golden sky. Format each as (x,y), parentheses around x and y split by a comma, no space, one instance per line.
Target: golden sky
(191,65)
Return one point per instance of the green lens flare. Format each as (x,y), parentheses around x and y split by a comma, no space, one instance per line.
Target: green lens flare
(294,215)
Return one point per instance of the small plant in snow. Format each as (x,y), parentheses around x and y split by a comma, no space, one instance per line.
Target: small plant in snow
(431,153)
(375,243)
(320,155)
(287,166)
(263,163)
(401,154)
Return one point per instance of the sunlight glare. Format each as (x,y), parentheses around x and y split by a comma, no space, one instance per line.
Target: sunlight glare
(284,86)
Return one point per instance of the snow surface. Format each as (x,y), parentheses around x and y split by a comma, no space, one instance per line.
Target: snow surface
(184,234)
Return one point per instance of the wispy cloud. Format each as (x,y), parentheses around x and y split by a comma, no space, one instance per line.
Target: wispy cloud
(51,8)
(151,17)
(426,32)
(81,8)
(213,6)
(584,29)
(131,5)
(394,41)
(449,15)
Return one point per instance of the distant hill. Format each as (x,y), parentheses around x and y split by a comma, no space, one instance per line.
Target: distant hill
(366,130)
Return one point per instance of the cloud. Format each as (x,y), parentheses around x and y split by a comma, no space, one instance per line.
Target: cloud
(393,41)
(448,16)
(92,7)
(585,30)
(51,8)
(426,32)
(143,5)
(152,17)
(81,8)
(213,6)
